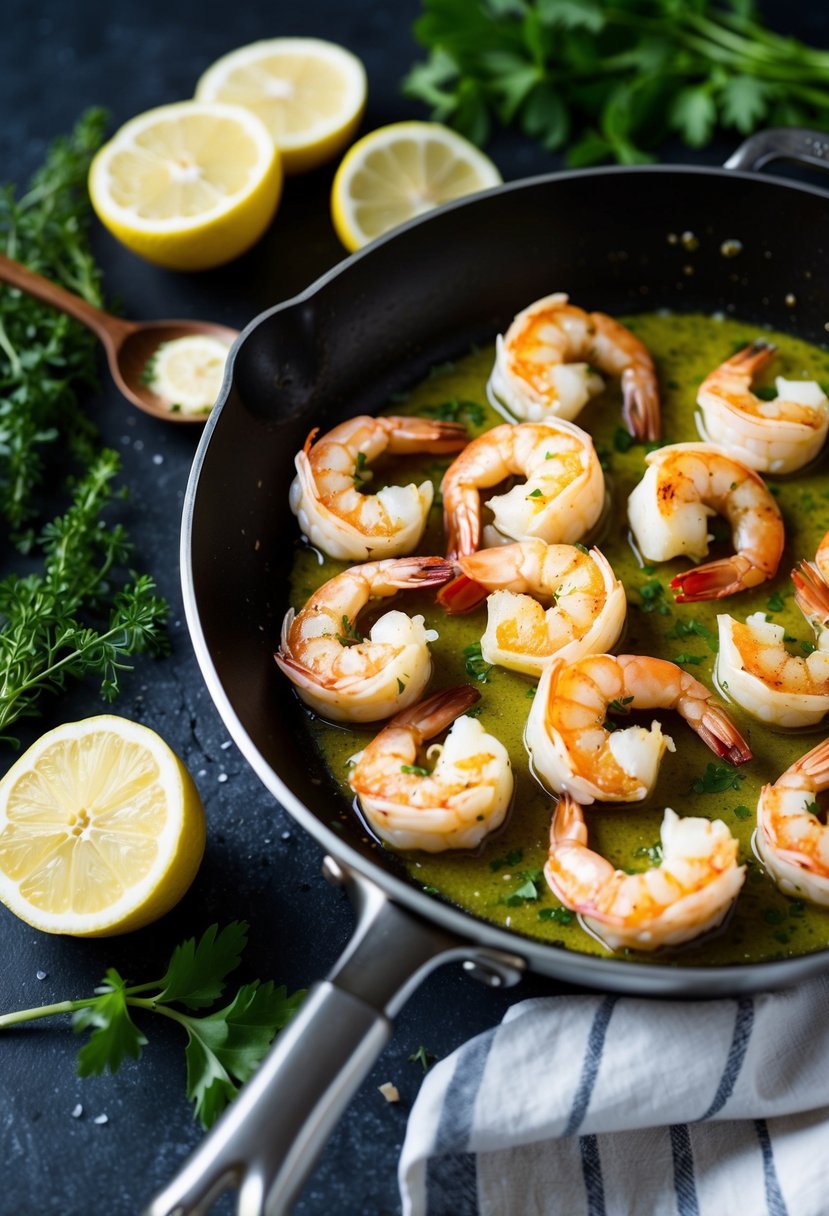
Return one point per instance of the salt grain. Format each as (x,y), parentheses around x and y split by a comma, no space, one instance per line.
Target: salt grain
(41,975)
(390,1092)
(101,1119)
(77,1111)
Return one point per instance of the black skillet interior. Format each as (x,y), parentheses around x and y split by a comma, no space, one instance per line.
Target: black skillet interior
(616,240)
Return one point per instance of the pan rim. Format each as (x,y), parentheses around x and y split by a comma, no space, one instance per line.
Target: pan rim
(597,971)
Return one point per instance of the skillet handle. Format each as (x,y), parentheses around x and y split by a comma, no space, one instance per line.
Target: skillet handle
(268,1140)
(781,143)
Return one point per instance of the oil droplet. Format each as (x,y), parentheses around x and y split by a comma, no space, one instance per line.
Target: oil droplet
(673,239)
(790,300)
(731,248)
(689,241)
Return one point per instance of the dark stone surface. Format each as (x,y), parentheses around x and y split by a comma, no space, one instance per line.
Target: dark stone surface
(55,60)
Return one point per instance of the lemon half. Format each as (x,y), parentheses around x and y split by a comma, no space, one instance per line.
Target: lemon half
(401,171)
(309,93)
(188,186)
(101,829)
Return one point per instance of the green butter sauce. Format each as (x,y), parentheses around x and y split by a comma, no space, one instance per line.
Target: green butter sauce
(502,882)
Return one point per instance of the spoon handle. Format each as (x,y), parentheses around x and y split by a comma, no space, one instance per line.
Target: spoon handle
(107,327)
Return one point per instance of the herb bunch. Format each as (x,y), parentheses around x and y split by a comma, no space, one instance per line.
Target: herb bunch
(612,79)
(46,358)
(224,1046)
(72,611)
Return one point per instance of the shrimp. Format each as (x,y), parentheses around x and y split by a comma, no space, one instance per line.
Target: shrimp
(791,839)
(587,602)
(668,511)
(348,678)
(571,748)
(559,500)
(776,436)
(688,893)
(754,665)
(464,797)
(325,494)
(545,365)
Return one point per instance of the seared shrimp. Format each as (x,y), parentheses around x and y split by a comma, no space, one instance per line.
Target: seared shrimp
(464,796)
(572,749)
(545,364)
(776,436)
(669,509)
(349,678)
(559,500)
(325,494)
(586,612)
(688,893)
(791,839)
(758,671)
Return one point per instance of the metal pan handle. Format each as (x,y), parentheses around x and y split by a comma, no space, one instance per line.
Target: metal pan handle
(269,1138)
(781,143)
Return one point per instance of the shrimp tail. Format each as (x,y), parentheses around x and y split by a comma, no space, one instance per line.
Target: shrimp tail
(640,407)
(815,765)
(302,676)
(718,732)
(416,571)
(462,595)
(752,359)
(714,580)
(811,594)
(568,826)
(433,715)
(414,435)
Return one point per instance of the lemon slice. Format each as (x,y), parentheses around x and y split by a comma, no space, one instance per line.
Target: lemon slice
(101,829)
(188,372)
(400,171)
(188,186)
(309,93)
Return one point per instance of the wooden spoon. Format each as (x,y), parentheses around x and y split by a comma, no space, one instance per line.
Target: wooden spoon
(129,345)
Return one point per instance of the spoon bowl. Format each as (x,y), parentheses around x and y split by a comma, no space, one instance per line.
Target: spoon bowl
(129,345)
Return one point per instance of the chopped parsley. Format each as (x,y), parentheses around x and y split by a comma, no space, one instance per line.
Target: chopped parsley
(620,705)
(456,410)
(528,891)
(689,660)
(349,635)
(650,852)
(536,493)
(742,811)
(513,858)
(360,474)
(693,627)
(562,916)
(422,1057)
(415,770)
(652,595)
(476,665)
(775,602)
(716,779)
(623,441)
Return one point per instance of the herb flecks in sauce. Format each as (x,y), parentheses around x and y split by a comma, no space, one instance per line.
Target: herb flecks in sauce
(685,348)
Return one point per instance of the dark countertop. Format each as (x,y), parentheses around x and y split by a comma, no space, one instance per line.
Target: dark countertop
(56,60)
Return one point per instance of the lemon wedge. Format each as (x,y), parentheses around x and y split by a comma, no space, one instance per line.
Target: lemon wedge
(189,185)
(188,372)
(101,829)
(309,93)
(400,171)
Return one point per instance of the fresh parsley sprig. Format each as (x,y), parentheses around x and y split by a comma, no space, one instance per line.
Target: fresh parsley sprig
(224,1046)
(612,79)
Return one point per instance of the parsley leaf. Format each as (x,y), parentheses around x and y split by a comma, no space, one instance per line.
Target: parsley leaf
(476,665)
(716,779)
(223,1047)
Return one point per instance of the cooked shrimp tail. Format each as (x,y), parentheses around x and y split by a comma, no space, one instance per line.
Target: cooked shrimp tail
(719,733)
(408,572)
(640,406)
(811,595)
(433,715)
(462,595)
(713,580)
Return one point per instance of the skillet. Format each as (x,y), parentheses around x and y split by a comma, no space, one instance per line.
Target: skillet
(371,327)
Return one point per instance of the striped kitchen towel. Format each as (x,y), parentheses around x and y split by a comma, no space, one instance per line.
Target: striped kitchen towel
(620,1106)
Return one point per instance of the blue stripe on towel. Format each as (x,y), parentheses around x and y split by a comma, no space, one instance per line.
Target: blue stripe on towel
(774,1196)
(743,1026)
(590,1067)
(451,1178)
(591,1166)
(685,1184)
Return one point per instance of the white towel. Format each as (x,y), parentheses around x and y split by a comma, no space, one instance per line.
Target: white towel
(620,1106)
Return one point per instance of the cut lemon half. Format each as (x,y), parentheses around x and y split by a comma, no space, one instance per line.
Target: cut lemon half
(101,829)
(188,372)
(188,186)
(400,171)
(309,93)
